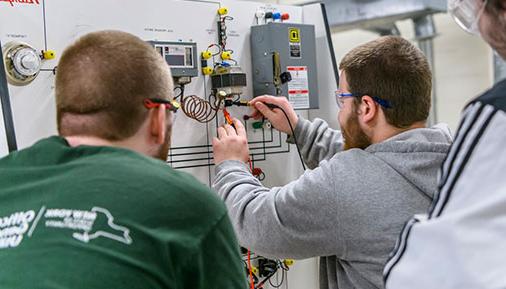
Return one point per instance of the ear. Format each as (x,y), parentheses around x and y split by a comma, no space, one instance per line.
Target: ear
(158,124)
(368,110)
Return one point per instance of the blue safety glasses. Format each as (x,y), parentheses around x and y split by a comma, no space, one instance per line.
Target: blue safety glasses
(341,95)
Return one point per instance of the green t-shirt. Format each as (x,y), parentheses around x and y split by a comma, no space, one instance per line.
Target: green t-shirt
(103,217)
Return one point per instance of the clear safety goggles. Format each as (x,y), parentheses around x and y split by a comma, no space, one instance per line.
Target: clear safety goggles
(467,13)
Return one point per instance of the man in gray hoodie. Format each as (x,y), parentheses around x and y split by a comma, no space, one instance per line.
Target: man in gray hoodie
(365,180)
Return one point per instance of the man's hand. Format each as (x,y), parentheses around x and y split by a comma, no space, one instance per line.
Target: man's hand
(231,144)
(275,115)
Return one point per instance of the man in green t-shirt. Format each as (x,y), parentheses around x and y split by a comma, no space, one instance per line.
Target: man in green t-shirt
(96,207)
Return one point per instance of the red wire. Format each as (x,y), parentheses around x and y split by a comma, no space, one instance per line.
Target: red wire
(252,284)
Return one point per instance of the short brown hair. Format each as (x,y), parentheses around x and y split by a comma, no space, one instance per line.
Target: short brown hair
(101,82)
(393,69)
(495,9)
(496,6)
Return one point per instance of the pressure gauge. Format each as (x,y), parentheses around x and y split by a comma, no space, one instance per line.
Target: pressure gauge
(22,63)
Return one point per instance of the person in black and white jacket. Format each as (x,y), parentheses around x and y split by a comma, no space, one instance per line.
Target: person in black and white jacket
(461,242)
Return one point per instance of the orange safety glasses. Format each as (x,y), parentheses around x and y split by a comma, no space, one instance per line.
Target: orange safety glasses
(171,105)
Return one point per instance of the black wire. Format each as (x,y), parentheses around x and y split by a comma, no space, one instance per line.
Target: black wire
(215,45)
(280,282)
(253,258)
(294,137)
(267,278)
(273,106)
(181,91)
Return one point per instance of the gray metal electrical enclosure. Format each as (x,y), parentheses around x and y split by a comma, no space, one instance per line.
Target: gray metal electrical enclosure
(281,48)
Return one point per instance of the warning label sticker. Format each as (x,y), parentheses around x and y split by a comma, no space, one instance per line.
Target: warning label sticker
(298,87)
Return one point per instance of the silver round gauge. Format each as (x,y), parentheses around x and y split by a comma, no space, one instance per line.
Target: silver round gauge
(22,63)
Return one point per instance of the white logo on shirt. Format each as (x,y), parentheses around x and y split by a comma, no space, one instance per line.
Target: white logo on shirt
(85,223)
(14,227)
(111,234)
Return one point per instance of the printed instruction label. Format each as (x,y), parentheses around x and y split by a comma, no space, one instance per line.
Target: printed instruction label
(298,87)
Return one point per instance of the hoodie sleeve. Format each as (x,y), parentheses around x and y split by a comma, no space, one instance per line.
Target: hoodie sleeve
(295,221)
(317,141)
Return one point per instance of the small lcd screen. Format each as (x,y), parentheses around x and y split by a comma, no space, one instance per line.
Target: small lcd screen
(176,60)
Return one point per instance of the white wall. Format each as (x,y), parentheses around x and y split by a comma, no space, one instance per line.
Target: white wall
(463,63)
(463,67)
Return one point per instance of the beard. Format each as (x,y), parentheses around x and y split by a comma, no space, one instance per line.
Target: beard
(354,136)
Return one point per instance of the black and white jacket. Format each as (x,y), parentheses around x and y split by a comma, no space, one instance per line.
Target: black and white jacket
(461,242)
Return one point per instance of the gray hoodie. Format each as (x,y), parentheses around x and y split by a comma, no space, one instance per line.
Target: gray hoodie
(349,209)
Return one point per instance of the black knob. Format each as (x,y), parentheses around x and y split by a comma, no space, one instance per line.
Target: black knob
(285,77)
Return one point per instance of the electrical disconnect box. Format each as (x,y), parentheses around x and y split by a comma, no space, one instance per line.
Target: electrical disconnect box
(284,62)
(181,56)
